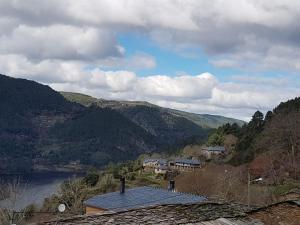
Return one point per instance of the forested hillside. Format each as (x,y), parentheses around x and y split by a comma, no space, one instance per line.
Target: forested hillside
(126,107)
(38,126)
(273,140)
(21,102)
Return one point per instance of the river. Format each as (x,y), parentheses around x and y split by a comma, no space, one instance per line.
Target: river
(34,188)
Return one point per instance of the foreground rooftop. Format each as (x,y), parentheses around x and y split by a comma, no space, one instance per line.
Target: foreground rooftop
(201,214)
(140,197)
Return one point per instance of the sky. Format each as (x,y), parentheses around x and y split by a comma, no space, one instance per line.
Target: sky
(225,57)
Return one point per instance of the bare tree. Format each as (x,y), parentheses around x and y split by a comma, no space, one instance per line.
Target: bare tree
(10,194)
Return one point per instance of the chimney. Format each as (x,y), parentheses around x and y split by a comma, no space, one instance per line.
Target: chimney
(122,185)
(171,185)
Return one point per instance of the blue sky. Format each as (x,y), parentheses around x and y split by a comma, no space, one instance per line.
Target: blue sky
(191,61)
(194,55)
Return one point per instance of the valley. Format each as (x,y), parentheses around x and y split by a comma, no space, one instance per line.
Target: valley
(40,127)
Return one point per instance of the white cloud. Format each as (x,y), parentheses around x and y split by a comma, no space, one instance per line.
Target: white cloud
(73,46)
(60,42)
(87,29)
(179,87)
(138,60)
(202,93)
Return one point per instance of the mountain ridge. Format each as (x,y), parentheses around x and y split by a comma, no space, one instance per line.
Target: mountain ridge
(203,120)
(39,126)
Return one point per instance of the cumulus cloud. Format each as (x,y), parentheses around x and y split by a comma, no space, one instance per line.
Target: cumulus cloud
(73,46)
(60,42)
(249,33)
(203,93)
(138,60)
(263,32)
(179,87)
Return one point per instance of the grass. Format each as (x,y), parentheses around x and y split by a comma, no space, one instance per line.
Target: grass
(283,189)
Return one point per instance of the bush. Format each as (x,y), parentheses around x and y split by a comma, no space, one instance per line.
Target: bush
(91,179)
(29,211)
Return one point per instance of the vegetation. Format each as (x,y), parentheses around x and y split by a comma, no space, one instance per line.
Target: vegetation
(229,184)
(38,126)
(217,137)
(245,151)
(202,120)
(73,192)
(269,143)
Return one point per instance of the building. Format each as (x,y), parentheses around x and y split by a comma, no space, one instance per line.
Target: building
(161,169)
(204,213)
(153,164)
(209,152)
(138,197)
(185,164)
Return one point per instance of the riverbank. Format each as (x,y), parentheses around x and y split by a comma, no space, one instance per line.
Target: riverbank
(33,188)
(46,168)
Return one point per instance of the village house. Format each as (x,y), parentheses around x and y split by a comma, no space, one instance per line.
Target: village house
(185,164)
(209,152)
(161,169)
(133,198)
(156,165)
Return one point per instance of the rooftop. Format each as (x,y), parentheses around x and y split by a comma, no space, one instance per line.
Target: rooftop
(188,161)
(159,161)
(215,148)
(194,214)
(140,197)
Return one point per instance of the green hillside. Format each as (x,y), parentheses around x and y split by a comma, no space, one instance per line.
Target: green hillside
(270,143)
(39,127)
(202,120)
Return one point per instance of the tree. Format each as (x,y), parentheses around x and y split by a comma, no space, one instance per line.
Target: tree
(257,121)
(11,192)
(92,178)
(216,139)
(268,116)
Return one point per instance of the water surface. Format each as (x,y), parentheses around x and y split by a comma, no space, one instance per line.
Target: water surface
(34,188)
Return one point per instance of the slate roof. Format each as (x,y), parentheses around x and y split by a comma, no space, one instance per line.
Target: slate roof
(188,161)
(141,197)
(215,148)
(159,161)
(193,214)
(163,167)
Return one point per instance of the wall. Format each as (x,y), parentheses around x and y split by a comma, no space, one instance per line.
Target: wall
(93,210)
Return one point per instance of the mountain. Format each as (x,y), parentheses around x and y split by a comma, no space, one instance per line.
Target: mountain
(202,120)
(22,102)
(41,127)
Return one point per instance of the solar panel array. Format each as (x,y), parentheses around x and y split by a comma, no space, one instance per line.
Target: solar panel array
(141,197)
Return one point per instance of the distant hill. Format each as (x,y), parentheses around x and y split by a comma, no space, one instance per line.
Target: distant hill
(203,120)
(40,127)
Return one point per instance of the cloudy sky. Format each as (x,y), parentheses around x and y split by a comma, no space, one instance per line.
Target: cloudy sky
(227,57)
